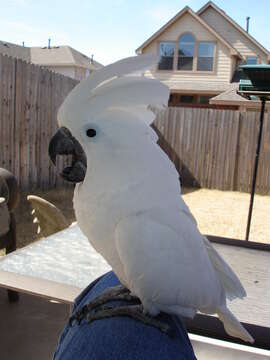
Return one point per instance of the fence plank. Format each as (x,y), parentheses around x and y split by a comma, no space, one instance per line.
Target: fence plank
(215,148)
(29,100)
(211,148)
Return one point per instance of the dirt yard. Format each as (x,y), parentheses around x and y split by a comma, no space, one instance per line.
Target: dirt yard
(225,213)
(221,213)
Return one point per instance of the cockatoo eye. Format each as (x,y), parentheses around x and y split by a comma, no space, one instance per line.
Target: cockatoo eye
(91,132)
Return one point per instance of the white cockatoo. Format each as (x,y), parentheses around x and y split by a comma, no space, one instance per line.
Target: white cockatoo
(128,200)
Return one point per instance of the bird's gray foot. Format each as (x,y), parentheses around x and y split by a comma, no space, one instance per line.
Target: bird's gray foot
(114,293)
(134,311)
(97,310)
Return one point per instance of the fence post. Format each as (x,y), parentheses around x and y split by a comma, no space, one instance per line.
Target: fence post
(237,152)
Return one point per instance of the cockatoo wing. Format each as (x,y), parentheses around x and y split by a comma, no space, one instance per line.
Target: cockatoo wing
(146,247)
(229,280)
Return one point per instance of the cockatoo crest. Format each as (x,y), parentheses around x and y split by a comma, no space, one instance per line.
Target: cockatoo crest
(114,89)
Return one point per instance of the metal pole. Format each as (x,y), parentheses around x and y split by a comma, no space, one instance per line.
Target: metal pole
(255,168)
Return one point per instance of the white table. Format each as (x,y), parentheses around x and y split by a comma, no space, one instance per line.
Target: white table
(57,267)
(61,265)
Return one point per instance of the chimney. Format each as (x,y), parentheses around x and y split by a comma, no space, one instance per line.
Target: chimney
(49,43)
(91,59)
(247,28)
(23,43)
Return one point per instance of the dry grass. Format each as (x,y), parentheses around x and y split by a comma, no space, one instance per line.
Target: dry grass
(222,213)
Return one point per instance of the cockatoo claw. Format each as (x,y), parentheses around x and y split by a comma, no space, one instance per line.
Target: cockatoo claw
(133,311)
(98,310)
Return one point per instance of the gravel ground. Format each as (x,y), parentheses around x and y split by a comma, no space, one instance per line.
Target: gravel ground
(222,213)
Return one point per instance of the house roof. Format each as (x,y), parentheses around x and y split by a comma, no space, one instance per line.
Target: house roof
(14,50)
(191,86)
(230,97)
(184,11)
(61,56)
(237,26)
(53,56)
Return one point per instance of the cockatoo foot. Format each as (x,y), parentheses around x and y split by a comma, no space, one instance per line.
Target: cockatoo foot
(97,310)
(134,311)
(114,293)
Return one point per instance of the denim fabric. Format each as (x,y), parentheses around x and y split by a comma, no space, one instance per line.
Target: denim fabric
(120,338)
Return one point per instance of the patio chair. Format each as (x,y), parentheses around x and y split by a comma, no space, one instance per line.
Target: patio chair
(9,197)
(47,216)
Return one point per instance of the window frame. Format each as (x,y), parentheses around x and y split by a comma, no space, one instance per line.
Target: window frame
(173,64)
(252,56)
(195,57)
(194,62)
(214,56)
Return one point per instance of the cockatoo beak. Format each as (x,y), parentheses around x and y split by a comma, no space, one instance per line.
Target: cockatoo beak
(63,143)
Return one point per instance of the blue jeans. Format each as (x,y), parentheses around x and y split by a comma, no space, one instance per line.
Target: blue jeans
(120,338)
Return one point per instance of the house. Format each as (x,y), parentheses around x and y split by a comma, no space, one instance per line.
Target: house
(61,59)
(199,57)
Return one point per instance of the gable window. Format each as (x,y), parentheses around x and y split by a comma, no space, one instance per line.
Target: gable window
(166,52)
(251,60)
(205,60)
(186,52)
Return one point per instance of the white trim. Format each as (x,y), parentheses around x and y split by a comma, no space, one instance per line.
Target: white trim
(229,350)
(185,10)
(47,289)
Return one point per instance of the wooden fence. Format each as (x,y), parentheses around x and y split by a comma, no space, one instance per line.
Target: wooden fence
(216,148)
(29,99)
(210,148)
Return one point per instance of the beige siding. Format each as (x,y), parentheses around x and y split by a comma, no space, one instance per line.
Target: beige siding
(223,61)
(201,80)
(232,35)
(80,73)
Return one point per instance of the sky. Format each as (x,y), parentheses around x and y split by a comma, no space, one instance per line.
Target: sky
(111,30)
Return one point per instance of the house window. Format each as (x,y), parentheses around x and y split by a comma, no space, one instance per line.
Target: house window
(187,99)
(186,52)
(204,99)
(190,100)
(166,52)
(251,60)
(205,56)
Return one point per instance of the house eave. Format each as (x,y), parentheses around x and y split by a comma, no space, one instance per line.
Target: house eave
(65,65)
(232,22)
(160,31)
(249,104)
(185,10)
